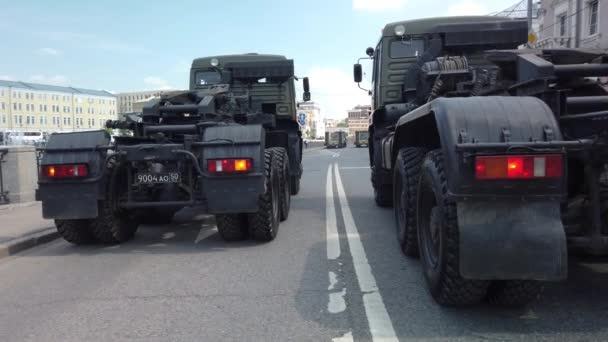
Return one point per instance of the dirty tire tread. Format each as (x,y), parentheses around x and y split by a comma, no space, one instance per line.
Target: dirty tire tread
(383,193)
(295,184)
(232,227)
(410,159)
(109,228)
(262,225)
(452,289)
(76,232)
(514,293)
(281,157)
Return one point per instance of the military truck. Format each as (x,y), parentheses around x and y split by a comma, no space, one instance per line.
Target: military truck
(336,140)
(361,138)
(230,145)
(493,157)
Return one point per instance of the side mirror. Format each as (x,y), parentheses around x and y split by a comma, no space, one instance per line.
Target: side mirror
(358,73)
(306,96)
(370,51)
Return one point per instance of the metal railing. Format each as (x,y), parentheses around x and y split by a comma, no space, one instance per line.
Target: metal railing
(3,194)
(553,42)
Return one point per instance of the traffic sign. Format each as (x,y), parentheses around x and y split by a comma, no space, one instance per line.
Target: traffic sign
(302,119)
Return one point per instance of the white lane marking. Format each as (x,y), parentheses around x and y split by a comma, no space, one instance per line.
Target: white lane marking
(336,302)
(354,167)
(204,233)
(380,324)
(331,228)
(333,281)
(348,337)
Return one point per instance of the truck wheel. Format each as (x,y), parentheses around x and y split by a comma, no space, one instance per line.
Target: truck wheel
(438,238)
(264,224)
(114,224)
(383,193)
(295,184)
(112,227)
(281,156)
(514,293)
(232,227)
(406,178)
(75,231)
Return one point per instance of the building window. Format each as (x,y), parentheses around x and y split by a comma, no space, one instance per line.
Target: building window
(19,105)
(561,25)
(3,119)
(45,108)
(593,17)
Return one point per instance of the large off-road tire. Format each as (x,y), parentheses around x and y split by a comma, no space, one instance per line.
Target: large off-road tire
(295,184)
(383,193)
(264,224)
(514,293)
(405,194)
(438,241)
(114,224)
(75,231)
(232,227)
(281,157)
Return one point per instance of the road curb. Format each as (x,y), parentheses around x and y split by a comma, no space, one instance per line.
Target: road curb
(26,242)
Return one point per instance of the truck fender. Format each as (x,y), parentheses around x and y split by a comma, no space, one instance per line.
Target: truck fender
(512,240)
(446,122)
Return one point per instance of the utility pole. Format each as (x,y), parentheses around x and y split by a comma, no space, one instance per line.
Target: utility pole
(577,35)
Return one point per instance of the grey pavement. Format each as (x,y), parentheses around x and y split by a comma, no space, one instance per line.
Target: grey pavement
(22,227)
(181,282)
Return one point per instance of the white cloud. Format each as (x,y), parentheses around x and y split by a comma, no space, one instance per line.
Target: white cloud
(156,83)
(378,5)
(49,51)
(467,7)
(54,80)
(334,90)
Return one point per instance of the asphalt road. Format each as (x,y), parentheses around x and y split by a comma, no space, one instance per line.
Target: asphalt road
(334,272)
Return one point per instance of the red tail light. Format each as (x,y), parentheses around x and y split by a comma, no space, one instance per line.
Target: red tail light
(519,167)
(229,165)
(65,171)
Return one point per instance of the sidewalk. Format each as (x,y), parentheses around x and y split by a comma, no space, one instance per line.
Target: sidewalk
(22,227)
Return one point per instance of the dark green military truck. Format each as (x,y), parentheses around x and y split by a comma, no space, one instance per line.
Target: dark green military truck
(230,145)
(493,157)
(361,138)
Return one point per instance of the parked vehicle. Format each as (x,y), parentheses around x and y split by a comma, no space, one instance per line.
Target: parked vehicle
(361,138)
(230,145)
(337,140)
(493,157)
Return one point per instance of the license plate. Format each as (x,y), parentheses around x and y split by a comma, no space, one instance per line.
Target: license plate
(157,178)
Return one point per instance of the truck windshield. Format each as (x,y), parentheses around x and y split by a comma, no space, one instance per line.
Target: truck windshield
(407,48)
(208,78)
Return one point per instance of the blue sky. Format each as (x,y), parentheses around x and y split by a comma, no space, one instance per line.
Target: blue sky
(135,45)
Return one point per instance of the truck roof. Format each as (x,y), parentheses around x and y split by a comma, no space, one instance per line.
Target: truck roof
(205,62)
(421,26)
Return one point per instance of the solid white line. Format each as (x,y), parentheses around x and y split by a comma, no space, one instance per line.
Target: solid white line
(380,325)
(331,228)
(354,167)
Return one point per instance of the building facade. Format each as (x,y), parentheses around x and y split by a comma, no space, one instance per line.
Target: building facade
(127,102)
(30,107)
(558,24)
(358,119)
(314,128)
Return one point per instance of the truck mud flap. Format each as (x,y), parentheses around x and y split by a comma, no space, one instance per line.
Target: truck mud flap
(512,240)
(73,199)
(234,193)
